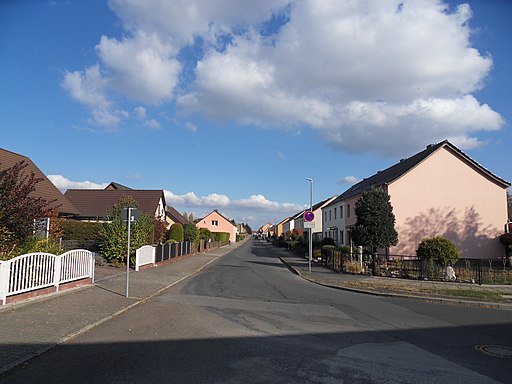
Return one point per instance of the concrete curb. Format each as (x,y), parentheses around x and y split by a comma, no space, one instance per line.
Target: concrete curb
(138,301)
(480,304)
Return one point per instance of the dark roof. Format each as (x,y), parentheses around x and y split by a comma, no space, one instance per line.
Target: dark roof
(96,203)
(45,188)
(405,165)
(175,215)
(114,185)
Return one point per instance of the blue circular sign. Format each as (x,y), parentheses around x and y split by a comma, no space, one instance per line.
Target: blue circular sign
(309,216)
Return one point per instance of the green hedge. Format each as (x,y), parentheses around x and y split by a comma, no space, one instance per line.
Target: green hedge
(223,237)
(80,230)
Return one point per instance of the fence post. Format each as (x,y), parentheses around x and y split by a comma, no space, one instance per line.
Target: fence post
(479,271)
(56,271)
(4,280)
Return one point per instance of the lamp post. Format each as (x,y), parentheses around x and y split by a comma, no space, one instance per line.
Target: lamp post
(310,251)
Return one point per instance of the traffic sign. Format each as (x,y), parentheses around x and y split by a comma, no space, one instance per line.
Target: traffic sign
(309,216)
(309,224)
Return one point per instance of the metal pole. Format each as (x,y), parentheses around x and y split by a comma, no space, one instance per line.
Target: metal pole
(310,251)
(128,252)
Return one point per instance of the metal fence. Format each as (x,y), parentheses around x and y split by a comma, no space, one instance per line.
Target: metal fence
(38,270)
(479,271)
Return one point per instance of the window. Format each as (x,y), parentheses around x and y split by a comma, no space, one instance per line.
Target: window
(341,211)
(341,237)
(348,210)
(335,213)
(215,223)
(330,215)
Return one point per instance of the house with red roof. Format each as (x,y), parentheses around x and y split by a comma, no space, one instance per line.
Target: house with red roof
(216,222)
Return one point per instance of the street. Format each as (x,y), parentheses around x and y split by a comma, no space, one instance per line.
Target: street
(248,319)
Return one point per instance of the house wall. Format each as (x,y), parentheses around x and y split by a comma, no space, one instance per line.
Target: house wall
(223,225)
(334,216)
(446,196)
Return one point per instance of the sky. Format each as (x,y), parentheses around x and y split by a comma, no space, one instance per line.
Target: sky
(233,104)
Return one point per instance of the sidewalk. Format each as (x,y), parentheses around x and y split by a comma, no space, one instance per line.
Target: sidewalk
(30,328)
(493,296)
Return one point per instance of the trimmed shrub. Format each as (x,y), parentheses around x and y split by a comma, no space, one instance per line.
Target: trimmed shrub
(438,249)
(80,230)
(223,237)
(176,232)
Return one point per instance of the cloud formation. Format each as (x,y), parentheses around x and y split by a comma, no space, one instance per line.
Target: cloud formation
(374,76)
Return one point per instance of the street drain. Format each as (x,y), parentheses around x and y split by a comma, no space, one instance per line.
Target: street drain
(495,350)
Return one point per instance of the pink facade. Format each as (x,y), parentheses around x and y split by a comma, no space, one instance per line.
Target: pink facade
(215,222)
(447,195)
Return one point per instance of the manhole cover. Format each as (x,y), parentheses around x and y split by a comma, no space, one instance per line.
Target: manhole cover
(495,350)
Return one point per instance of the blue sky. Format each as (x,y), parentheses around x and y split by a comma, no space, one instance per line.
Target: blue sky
(231,105)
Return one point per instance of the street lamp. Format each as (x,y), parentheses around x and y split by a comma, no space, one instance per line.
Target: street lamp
(310,251)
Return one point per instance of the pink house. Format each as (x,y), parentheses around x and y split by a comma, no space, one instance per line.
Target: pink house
(440,191)
(215,222)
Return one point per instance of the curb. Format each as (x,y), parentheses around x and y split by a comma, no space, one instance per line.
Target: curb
(480,304)
(88,327)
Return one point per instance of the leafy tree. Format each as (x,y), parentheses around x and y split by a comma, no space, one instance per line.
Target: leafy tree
(18,206)
(248,228)
(205,234)
(438,249)
(176,232)
(114,234)
(190,233)
(375,223)
(160,231)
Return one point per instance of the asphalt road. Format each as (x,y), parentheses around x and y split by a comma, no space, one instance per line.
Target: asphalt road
(248,319)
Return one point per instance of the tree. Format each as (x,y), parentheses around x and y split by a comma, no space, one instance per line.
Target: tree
(160,233)
(114,234)
(190,233)
(375,223)
(18,206)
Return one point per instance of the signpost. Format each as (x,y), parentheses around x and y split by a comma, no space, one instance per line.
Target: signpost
(128,215)
(309,218)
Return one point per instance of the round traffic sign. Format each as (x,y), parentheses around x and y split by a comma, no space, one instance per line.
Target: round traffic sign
(309,216)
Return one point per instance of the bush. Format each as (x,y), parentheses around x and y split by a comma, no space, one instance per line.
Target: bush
(176,232)
(223,237)
(327,241)
(80,230)
(438,249)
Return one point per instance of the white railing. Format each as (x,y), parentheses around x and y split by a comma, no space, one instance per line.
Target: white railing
(40,270)
(144,255)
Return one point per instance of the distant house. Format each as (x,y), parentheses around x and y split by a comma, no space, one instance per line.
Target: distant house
(280,227)
(439,191)
(172,216)
(96,204)
(45,188)
(215,222)
(318,225)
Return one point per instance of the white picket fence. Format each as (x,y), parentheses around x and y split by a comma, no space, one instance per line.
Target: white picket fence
(40,270)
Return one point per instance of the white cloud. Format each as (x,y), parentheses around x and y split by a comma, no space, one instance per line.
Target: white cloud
(152,123)
(142,67)
(63,183)
(379,76)
(349,180)
(89,88)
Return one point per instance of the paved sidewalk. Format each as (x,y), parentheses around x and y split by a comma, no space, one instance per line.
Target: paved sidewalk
(427,290)
(30,328)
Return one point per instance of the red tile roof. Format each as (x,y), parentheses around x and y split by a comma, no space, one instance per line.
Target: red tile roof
(96,203)
(45,188)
